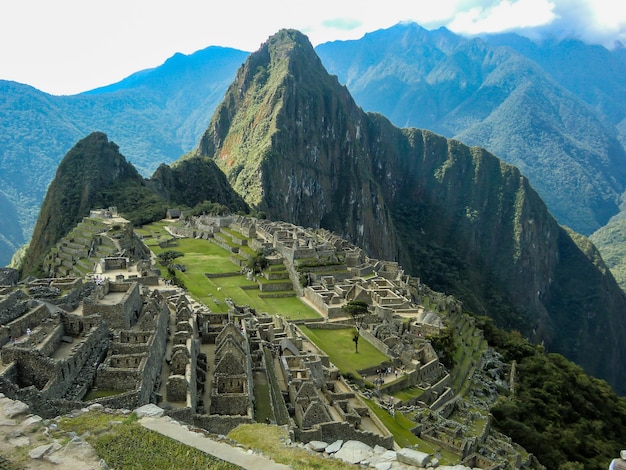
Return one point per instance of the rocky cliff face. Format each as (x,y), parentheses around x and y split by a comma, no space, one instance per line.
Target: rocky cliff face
(294,144)
(291,141)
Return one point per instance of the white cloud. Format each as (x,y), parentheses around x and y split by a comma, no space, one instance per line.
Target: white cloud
(506,15)
(68,46)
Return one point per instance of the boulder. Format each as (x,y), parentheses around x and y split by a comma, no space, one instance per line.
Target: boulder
(149,410)
(318,446)
(413,457)
(14,408)
(354,452)
(334,447)
(39,452)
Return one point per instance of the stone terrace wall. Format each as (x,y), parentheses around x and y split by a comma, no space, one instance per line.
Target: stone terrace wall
(332,431)
(218,424)
(12,306)
(31,319)
(121,314)
(156,354)
(52,341)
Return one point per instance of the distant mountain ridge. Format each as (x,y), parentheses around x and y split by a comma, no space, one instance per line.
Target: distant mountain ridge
(295,145)
(555,119)
(555,111)
(155,116)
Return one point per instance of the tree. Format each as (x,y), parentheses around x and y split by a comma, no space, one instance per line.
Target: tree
(258,263)
(357,310)
(166,258)
(355,338)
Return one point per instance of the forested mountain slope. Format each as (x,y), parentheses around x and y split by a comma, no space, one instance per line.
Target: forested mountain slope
(295,145)
(154,115)
(523,105)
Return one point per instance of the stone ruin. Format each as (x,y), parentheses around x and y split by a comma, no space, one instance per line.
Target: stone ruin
(52,357)
(126,343)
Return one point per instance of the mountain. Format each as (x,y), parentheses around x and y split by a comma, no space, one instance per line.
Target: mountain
(553,109)
(93,165)
(155,115)
(550,109)
(94,174)
(192,181)
(295,145)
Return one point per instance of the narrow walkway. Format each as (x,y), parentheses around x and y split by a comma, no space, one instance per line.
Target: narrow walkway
(223,451)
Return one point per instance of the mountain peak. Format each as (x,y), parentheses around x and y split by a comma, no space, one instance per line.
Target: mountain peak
(91,166)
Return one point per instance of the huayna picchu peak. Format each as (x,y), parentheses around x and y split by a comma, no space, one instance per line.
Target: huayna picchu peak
(295,145)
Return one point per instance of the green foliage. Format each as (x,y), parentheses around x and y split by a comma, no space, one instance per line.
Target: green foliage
(208,208)
(611,242)
(135,201)
(166,257)
(445,346)
(356,309)
(258,263)
(93,174)
(557,412)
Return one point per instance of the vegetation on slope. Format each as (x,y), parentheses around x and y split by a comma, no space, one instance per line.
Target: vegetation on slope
(93,165)
(126,444)
(556,411)
(94,174)
(529,106)
(611,242)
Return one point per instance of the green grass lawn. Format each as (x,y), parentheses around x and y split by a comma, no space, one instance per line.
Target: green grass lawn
(400,426)
(201,257)
(339,346)
(408,393)
(123,443)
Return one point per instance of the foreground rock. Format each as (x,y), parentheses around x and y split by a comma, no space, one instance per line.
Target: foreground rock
(26,434)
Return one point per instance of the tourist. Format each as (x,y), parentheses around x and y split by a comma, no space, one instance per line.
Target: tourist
(619,464)
(28,332)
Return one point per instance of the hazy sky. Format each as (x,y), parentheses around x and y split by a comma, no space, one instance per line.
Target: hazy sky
(69,46)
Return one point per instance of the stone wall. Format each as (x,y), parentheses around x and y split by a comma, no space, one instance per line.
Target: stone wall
(125,401)
(52,341)
(176,388)
(77,325)
(333,431)
(118,315)
(113,378)
(218,424)
(230,404)
(30,319)
(53,378)
(156,353)
(135,361)
(378,344)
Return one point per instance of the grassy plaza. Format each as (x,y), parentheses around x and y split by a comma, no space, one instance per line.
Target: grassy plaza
(202,257)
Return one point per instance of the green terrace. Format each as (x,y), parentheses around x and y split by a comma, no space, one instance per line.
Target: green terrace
(213,273)
(211,276)
(339,346)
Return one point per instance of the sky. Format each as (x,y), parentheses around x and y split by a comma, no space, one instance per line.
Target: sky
(65,47)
